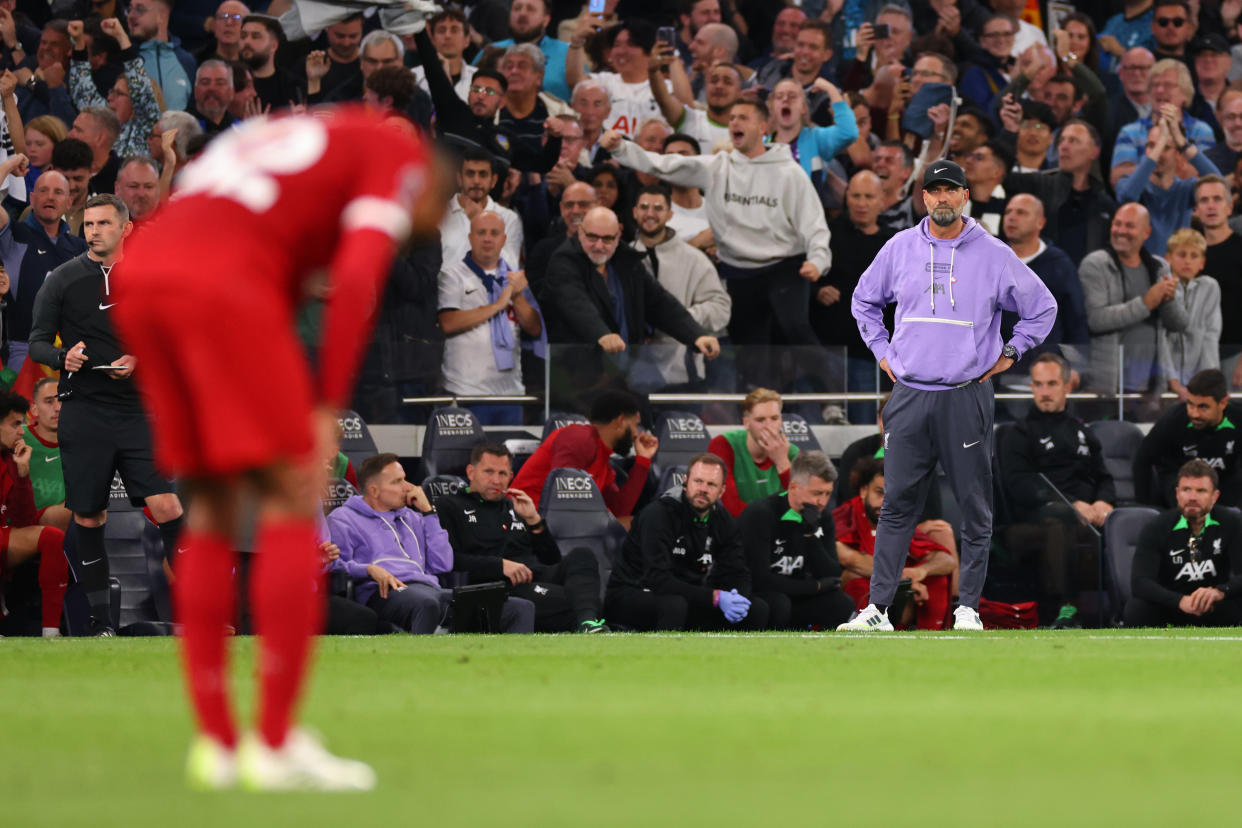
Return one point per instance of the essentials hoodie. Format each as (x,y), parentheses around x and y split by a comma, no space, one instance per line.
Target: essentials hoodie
(762,210)
(411,546)
(949,295)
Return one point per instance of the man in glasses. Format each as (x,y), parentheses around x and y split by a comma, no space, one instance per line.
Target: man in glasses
(1171,91)
(1171,28)
(599,295)
(226,29)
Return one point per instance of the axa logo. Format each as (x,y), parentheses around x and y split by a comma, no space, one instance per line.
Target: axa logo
(788,565)
(1196,571)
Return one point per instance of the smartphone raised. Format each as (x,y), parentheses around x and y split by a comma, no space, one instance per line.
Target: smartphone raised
(596,7)
(667,35)
(880,31)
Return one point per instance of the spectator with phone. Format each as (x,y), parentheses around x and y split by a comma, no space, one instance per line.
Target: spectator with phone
(722,86)
(1156,185)
(885,42)
(1129,295)
(627,48)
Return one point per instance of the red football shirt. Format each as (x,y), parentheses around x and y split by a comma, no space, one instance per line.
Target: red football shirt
(275,203)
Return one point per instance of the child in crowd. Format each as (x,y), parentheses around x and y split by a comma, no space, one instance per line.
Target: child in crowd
(1184,354)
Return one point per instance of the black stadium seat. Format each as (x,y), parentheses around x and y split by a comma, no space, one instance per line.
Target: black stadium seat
(682,435)
(135,555)
(673,477)
(560,419)
(1119,441)
(356,441)
(574,508)
(451,433)
(798,432)
(1121,533)
(339,490)
(442,484)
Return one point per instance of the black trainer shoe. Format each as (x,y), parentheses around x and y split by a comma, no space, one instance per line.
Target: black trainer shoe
(595,625)
(101,630)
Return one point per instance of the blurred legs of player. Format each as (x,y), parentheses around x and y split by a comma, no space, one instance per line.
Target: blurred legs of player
(287,600)
(20,544)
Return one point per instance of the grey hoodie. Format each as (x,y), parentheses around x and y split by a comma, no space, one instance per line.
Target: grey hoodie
(761,210)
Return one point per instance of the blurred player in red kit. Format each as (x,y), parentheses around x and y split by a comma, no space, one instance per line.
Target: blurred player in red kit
(210,286)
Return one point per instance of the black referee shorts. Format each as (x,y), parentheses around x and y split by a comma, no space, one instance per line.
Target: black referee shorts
(96,442)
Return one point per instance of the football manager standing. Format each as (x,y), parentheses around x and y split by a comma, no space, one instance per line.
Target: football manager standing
(950,279)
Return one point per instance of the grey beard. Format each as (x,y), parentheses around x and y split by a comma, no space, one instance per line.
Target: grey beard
(945,216)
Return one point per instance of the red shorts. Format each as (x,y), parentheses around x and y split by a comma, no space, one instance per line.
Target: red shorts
(4,550)
(222,374)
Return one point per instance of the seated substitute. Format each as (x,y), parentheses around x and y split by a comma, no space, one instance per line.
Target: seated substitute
(46,477)
(613,430)
(1051,441)
(929,566)
(1202,429)
(1188,564)
(682,566)
(395,552)
(21,537)
(757,455)
(497,534)
(790,544)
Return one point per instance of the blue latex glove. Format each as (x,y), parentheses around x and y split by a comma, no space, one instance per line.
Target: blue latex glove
(733,605)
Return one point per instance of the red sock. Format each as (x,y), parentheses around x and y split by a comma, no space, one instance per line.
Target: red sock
(288,611)
(53,574)
(204,598)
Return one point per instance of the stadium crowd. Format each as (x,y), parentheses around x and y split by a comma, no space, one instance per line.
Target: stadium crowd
(684,197)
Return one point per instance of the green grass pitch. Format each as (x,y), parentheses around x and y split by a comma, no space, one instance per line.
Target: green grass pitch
(1101,728)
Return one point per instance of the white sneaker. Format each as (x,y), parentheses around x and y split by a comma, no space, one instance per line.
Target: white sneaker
(51,632)
(210,766)
(964,618)
(300,764)
(869,620)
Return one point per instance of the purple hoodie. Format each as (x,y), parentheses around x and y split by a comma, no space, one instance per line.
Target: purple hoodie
(949,295)
(411,546)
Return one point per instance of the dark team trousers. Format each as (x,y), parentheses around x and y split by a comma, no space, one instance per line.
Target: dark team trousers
(823,610)
(348,617)
(1141,613)
(564,594)
(777,312)
(1065,548)
(647,611)
(952,426)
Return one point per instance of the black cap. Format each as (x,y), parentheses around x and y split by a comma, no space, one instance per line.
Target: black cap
(1210,42)
(944,172)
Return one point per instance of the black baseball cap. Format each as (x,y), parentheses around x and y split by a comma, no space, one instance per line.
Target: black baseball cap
(1210,42)
(944,172)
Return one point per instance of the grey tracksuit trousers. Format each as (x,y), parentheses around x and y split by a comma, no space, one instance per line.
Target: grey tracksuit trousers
(953,426)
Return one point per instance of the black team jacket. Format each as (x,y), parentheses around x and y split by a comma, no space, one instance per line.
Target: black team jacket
(1173,440)
(1168,566)
(785,552)
(1060,446)
(671,550)
(482,532)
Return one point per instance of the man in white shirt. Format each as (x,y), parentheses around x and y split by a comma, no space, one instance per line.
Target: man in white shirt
(450,35)
(476,178)
(484,306)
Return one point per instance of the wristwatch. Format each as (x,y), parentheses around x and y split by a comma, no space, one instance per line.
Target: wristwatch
(1010,352)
